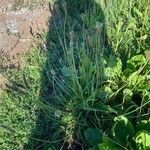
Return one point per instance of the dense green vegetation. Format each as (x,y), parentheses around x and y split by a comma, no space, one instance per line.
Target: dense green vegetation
(90,88)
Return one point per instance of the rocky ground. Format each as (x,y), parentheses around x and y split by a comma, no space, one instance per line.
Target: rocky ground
(17,28)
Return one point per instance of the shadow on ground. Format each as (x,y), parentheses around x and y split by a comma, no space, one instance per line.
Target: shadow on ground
(48,133)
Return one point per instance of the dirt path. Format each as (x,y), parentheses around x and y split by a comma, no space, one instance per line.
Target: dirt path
(18,27)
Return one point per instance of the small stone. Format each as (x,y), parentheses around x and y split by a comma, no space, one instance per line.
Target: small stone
(11,26)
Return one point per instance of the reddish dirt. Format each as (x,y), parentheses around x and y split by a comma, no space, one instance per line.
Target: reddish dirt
(17,29)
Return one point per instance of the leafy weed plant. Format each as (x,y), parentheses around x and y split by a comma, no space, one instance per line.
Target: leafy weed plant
(94,84)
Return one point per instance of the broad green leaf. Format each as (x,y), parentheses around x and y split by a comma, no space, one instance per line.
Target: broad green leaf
(142,140)
(113,70)
(122,130)
(135,79)
(136,60)
(93,136)
(134,64)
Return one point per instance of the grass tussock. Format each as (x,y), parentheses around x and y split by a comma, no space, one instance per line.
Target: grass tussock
(90,88)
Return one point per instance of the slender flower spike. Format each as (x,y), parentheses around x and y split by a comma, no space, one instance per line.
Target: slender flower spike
(71,44)
(64,4)
(58,113)
(56,7)
(89,40)
(98,26)
(71,36)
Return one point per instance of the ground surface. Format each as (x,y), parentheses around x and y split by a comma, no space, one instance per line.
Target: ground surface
(17,28)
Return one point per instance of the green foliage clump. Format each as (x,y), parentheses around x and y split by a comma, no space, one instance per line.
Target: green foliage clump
(93,89)
(19,103)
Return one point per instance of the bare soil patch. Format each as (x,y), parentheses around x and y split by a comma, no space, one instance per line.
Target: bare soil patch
(18,25)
